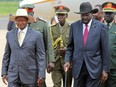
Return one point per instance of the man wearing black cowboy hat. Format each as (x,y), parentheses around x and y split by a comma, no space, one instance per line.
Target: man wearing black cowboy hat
(88,49)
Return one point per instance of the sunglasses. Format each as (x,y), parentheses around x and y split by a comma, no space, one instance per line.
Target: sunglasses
(29,10)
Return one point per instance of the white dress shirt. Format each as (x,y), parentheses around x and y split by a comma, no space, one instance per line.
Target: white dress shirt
(89,25)
(24,31)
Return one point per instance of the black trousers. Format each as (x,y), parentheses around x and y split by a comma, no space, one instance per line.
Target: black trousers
(10,84)
(84,79)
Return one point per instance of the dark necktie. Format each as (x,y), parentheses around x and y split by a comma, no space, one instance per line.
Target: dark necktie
(108,24)
(85,34)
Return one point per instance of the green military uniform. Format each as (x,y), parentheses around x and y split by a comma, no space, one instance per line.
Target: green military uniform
(60,36)
(58,72)
(111,81)
(42,26)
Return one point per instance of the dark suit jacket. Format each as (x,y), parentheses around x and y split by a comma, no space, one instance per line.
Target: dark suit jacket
(95,53)
(11,25)
(26,62)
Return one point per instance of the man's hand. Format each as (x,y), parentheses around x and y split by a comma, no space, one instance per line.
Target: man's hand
(62,51)
(66,66)
(5,79)
(104,76)
(50,67)
(40,81)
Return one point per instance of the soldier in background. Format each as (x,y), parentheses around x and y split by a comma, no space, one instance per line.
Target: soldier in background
(42,26)
(109,9)
(60,35)
(99,15)
(11,24)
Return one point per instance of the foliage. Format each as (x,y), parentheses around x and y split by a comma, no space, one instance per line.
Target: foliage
(7,8)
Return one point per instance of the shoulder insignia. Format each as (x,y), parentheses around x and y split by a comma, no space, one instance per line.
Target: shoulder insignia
(41,19)
(69,24)
(53,25)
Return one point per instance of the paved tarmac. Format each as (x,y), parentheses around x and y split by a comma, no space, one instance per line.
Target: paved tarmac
(3,22)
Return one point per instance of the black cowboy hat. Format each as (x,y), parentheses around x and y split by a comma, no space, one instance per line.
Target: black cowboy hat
(86,7)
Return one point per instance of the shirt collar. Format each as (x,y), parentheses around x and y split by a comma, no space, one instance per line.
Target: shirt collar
(62,26)
(109,23)
(24,30)
(89,24)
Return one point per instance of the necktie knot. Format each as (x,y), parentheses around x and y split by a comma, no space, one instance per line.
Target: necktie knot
(86,25)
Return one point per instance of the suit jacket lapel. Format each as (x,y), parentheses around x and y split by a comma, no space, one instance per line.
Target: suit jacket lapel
(15,33)
(27,36)
(93,25)
(80,32)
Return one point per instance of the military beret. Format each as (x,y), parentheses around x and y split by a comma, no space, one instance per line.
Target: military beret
(109,7)
(28,7)
(61,9)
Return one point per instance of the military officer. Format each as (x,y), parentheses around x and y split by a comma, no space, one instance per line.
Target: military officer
(60,36)
(42,26)
(109,9)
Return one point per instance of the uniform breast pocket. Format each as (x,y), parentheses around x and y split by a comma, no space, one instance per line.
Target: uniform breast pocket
(66,39)
(112,37)
(114,55)
(67,36)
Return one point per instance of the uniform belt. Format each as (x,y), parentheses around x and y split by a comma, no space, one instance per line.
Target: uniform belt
(113,70)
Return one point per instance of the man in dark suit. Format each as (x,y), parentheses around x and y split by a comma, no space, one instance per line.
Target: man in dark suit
(88,49)
(23,62)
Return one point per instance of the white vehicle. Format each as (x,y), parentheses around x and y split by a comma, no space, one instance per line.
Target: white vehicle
(45,8)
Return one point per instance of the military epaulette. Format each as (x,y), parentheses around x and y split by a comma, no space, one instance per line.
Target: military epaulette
(41,19)
(69,24)
(53,25)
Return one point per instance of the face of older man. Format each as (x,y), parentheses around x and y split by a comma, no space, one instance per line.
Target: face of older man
(21,22)
(86,17)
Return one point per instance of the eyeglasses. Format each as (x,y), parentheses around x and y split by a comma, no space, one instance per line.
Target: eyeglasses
(29,10)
